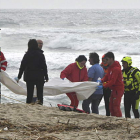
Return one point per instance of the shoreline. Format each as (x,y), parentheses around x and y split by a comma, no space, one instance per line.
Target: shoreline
(22,121)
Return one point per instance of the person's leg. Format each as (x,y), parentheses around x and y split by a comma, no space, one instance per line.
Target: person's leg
(39,86)
(73,97)
(30,90)
(95,103)
(117,95)
(111,105)
(127,105)
(107,93)
(85,105)
(135,107)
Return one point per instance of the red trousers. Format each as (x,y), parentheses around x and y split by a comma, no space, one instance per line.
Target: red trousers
(115,101)
(73,98)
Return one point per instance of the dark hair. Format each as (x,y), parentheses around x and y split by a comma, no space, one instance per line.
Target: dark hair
(95,57)
(110,55)
(32,45)
(81,58)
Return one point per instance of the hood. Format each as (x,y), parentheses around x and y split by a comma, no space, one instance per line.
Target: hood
(115,64)
(41,51)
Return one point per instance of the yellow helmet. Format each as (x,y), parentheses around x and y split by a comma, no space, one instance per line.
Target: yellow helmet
(128,60)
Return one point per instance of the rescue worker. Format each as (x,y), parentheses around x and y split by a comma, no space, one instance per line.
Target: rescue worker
(131,76)
(3,62)
(75,72)
(3,66)
(114,80)
(106,91)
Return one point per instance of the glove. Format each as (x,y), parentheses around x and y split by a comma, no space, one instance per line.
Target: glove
(100,87)
(99,81)
(137,95)
(62,78)
(16,79)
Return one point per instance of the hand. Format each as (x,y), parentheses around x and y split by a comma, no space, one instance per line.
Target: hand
(137,95)
(104,84)
(99,81)
(16,79)
(62,78)
(100,87)
(45,81)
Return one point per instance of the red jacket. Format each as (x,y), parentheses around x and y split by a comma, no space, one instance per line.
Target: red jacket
(114,78)
(74,74)
(3,62)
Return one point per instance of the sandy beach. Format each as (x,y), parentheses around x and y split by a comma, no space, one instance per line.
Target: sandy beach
(36,122)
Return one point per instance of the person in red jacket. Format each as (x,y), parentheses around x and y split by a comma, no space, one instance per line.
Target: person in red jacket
(75,72)
(114,80)
(3,62)
(106,91)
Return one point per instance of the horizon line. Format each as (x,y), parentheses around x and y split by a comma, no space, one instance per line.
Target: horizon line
(70,9)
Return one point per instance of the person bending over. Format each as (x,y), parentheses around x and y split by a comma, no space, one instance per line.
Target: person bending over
(75,72)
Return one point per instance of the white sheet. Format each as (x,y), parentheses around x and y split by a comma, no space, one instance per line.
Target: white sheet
(54,87)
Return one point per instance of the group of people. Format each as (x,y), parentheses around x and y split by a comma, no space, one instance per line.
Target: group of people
(113,82)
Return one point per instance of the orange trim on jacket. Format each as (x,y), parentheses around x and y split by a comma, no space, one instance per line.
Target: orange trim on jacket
(105,67)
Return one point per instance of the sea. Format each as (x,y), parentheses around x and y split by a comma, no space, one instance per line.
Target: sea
(66,35)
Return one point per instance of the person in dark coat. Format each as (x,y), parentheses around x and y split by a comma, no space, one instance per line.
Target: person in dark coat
(34,67)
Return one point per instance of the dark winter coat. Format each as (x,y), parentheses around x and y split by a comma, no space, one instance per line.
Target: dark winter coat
(34,66)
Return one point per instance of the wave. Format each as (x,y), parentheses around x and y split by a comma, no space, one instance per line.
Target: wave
(107,33)
(84,43)
(54,65)
(8,22)
(46,31)
(80,39)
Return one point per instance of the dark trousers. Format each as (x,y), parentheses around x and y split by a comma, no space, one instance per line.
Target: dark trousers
(107,93)
(94,99)
(130,101)
(30,90)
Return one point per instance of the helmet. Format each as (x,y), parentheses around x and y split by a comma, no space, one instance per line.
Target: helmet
(128,60)
(103,57)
